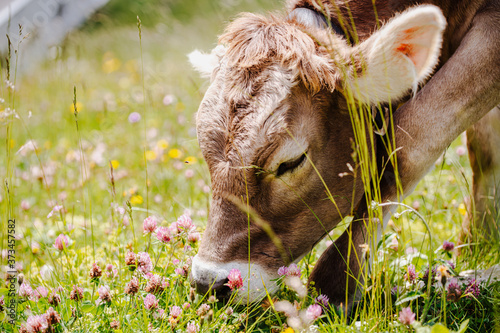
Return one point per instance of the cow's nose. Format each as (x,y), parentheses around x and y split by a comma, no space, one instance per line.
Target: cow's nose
(218,287)
(209,277)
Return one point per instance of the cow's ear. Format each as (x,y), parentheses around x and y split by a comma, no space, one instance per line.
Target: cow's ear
(398,57)
(205,63)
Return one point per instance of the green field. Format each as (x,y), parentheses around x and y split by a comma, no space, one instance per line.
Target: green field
(135,96)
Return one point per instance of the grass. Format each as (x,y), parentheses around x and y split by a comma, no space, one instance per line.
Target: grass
(106,171)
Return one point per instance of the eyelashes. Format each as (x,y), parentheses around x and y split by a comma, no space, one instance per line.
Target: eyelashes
(289,166)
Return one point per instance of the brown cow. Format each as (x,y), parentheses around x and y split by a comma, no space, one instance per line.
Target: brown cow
(275,130)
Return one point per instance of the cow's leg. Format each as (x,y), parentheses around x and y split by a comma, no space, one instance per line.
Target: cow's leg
(339,267)
(483,140)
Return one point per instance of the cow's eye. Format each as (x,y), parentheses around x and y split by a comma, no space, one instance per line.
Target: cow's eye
(290,165)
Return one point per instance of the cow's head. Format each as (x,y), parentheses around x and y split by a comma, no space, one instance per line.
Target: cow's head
(276,134)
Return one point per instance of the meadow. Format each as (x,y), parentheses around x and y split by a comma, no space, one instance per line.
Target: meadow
(106,191)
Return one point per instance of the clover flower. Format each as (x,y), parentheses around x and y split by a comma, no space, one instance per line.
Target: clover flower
(314,311)
(36,324)
(149,225)
(175,311)
(54,210)
(130,259)
(150,302)
(132,287)
(472,289)
(156,284)
(448,246)
(144,263)
(61,242)
(192,327)
(235,279)
(25,290)
(163,234)
(293,270)
(76,294)
(104,294)
(95,272)
(184,223)
(52,317)
(411,274)
(323,300)
(406,316)
(282,270)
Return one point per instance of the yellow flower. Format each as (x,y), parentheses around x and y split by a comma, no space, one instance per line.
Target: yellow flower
(175,153)
(462,209)
(79,107)
(47,144)
(136,200)
(131,191)
(150,155)
(110,63)
(191,160)
(289,330)
(162,144)
(115,164)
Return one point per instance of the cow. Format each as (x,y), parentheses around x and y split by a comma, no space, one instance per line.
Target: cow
(275,130)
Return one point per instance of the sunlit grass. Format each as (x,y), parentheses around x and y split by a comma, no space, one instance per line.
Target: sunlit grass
(95,176)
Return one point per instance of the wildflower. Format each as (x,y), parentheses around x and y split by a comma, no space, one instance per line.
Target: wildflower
(411,274)
(25,290)
(203,309)
(2,303)
(115,324)
(194,236)
(192,327)
(54,299)
(462,209)
(111,272)
(25,205)
(23,329)
(95,272)
(461,150)
(425,278)
(323,300)
(394,244)
(293,270)
(448,246)
(35,247)
(132,287)
(144,263)
(168,99)
(235,280)
(184,223)
(175,311)
(175,153)
(134,117)
(149,224)
(163,234)
(76,294)
(314,311)
(406,316)
(36,324)
(136,199)
(287,308)
(54,210)
(61,242)
(40,292)
(151,155)
(283,270)
(294,283)
(53,318)
(442,274)
(229,311)
(180,271)
(162,144)
(104,294)
(411,250)
(472,289)
(186,306)
(150,302)
(130,260)
(454,291)
(156,284)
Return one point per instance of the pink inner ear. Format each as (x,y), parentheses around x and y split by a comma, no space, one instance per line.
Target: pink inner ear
(416,43)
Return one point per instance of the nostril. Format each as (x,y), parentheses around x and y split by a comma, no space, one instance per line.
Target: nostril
(219,287)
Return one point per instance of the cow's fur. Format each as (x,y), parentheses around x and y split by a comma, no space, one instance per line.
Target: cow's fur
(277,92)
